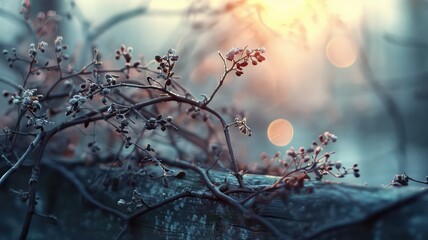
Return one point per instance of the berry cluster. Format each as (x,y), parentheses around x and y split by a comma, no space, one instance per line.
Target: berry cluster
(27,100)
(161,122)
(242,56)
(166,65)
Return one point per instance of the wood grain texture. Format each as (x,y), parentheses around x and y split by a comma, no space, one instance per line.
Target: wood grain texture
(332,210)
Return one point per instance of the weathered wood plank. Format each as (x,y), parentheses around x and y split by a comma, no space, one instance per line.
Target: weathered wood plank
(332,210)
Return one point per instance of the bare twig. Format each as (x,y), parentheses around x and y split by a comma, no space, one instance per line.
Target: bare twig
(24,156)
(226,71)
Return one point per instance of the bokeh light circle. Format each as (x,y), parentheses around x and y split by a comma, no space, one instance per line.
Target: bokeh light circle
(280,132)
(341,51)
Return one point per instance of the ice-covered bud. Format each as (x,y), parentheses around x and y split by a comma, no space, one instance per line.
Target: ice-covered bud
(121,202)
(169,119)
(105,91)
(318,150)
(43,45)
(232,52)
(337,165)
(172,52)
(27,101)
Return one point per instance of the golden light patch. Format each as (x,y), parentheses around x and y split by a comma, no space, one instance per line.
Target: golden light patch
(280,132)
(349,10)
(291,18)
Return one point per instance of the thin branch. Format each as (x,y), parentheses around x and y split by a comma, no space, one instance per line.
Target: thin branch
(24,156)
(33,61)
(7,160)
(226,71)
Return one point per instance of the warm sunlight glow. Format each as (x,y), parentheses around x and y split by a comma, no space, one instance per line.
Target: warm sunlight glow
(276,12)
(347,10)
(306,18)
(280,132)
(287,17)
(341,51)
